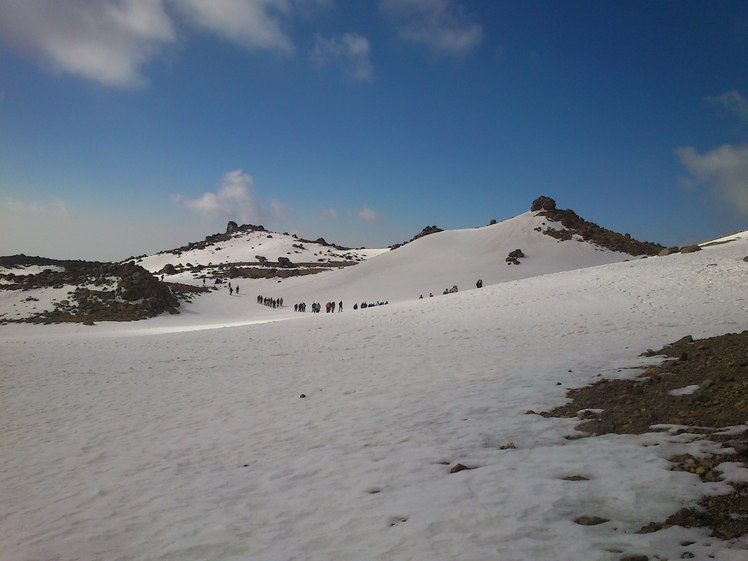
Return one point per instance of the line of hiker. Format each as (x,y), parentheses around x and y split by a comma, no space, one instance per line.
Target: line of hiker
(270,302)
(317,307)
(365,305)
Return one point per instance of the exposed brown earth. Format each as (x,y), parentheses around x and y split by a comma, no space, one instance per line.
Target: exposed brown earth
(719,367)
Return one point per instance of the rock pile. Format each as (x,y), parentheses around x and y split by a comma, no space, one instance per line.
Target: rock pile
(514,257)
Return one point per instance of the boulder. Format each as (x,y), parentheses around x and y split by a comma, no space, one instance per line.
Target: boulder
(232,227)
(543,203)
(690,249)
(668,251)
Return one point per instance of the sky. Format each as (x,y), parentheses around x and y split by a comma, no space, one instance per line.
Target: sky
(133,126)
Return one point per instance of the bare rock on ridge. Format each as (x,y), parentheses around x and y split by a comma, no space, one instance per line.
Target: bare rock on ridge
(589,231)
(543,203)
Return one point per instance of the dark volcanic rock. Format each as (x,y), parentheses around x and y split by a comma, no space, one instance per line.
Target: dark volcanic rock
(543,203)
(589,231)
(101,292)
(428,230)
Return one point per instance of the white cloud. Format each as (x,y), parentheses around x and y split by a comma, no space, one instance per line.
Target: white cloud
(106,41)
(252,23)
(350,51)
(56,208)
(368,215)
(734,102)
(441,25)
(330,213)
(723,170)
(234,199)
(110,41)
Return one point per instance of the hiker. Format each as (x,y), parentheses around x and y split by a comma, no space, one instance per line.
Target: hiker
(340,306)
(231,291)
(479,284)
(237,289)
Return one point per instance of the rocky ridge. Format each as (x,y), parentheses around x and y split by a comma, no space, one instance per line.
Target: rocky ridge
(589,231)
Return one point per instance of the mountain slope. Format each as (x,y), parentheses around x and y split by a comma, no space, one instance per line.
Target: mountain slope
(332,435)
(445,259)
(246,245)
(251,258)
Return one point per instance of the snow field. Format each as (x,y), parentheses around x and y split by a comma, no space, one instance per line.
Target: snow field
(177,439)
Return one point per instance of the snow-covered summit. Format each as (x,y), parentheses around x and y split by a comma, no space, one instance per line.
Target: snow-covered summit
(254,245)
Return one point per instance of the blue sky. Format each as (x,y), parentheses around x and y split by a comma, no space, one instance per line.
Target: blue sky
(133,126)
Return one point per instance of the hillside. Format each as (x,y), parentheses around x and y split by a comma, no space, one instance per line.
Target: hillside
(249,251)
(260,262)
(416,430)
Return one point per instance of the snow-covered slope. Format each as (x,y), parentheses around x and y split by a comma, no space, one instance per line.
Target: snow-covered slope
(428,265)
(440,261)
(461,257)
(246,246)
(141,441)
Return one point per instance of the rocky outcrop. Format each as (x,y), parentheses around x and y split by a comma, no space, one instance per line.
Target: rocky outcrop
(668,251)
(231,230)
(100,292)
(690,249)
(589,231)
(427,231)
(514,257)
(543,203)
